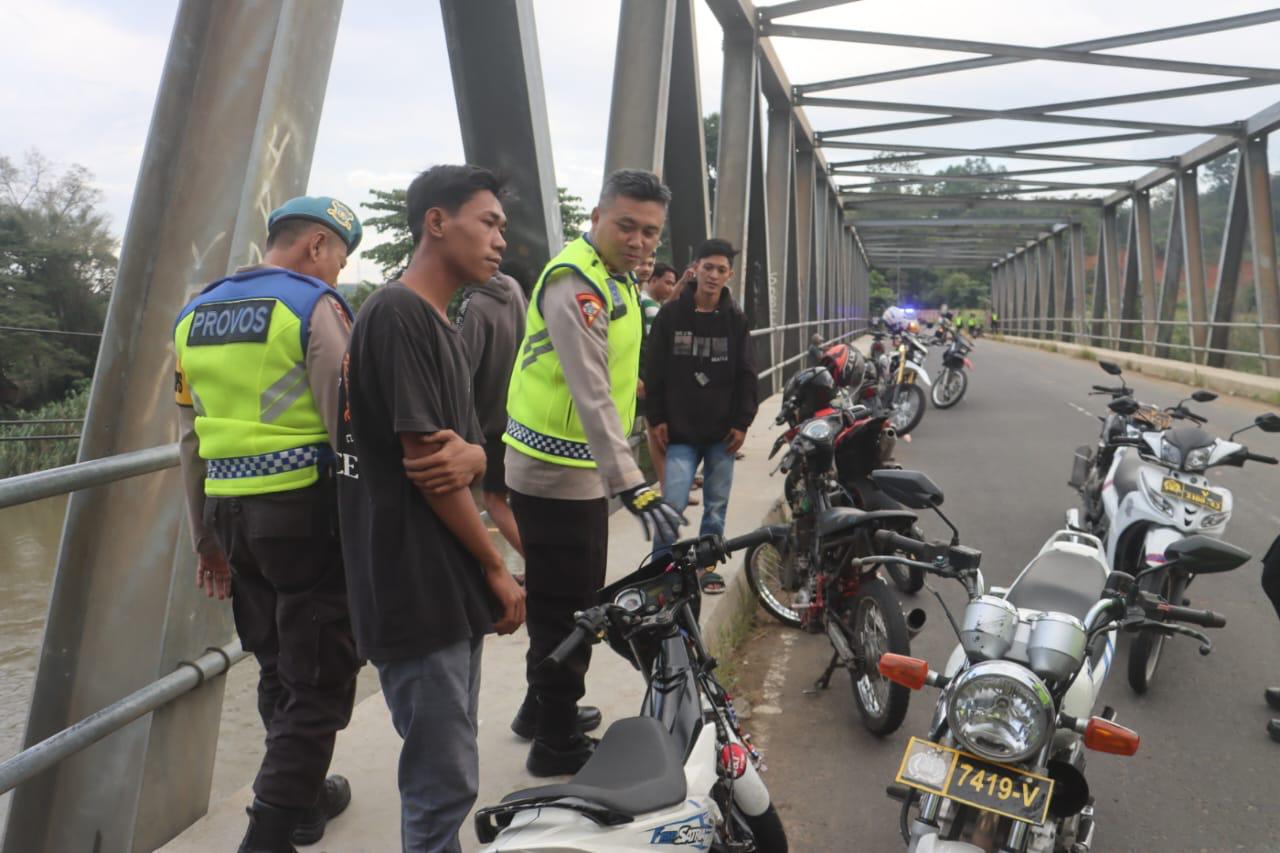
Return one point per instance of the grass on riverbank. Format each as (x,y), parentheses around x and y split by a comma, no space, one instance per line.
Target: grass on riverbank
(37,454)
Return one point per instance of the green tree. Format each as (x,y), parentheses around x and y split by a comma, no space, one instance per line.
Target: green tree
(391,222)
(572,214)
(57,266)
(711,133)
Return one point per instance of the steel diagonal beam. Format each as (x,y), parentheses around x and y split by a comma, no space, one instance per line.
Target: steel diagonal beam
(1000,54)
(1020,114)
(1038,112)
(795,7)
(1008,152)
(985,178)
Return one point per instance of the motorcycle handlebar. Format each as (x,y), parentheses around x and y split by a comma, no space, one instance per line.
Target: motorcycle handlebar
(772,533)
(1258,457)
(568,646)
(1203,618)
(888,540)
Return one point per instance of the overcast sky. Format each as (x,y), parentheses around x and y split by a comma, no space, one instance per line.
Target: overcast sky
(81,78)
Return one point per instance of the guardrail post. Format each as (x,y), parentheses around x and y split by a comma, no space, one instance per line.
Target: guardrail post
(1146,262)
(1108,281)
(1167,308)
(1224,295)
(1079,303)
(1193,261)
(1262,237)
(685,160)
(781,282)
(1042,288)
(231,135)
(1058,320)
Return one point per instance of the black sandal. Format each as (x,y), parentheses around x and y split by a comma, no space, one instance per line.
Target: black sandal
(711,582)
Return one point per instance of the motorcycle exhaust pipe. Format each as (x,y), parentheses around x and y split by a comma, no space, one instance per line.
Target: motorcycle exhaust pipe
(915,622)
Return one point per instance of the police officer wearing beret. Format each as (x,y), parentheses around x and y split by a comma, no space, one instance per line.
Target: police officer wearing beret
(258,359)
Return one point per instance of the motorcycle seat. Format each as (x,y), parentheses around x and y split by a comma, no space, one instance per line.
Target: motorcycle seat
(837,520)
(1059,582)
(637,768)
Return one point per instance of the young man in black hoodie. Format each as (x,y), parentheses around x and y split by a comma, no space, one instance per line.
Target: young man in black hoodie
(700,385)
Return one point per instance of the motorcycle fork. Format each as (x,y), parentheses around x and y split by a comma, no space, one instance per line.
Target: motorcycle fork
(847,587)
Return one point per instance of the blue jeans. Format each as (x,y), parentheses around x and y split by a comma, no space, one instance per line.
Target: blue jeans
(433,701)
(717,480)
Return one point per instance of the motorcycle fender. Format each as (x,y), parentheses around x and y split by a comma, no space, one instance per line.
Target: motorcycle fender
(1156,541)
(921,376)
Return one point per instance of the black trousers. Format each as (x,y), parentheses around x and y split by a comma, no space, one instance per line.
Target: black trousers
(289,598)
(1271,574)
(566,547)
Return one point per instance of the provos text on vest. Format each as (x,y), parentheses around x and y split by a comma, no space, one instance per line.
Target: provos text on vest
(247,320)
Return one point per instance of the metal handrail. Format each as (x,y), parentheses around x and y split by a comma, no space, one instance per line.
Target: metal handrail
(79,736)
(25,488)
(782,364)
(1107,338)
(755,333)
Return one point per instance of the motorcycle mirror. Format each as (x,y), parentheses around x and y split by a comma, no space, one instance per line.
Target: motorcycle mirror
(910,488)
(1204,396)
(815,352)
(1123,406)
(1269,422)
(1202,555)
(1110,367)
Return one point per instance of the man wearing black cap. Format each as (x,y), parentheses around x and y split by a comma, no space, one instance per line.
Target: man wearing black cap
(258,360)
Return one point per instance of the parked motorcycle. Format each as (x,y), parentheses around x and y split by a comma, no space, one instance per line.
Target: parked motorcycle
(952,382)
(1154,492)
(806,580)
(1002,767)
(682,772)
(904,393)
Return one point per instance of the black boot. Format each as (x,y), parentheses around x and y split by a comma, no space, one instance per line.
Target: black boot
(269,828)
(334,799)
(525,723)
(559,758)
(1272,695)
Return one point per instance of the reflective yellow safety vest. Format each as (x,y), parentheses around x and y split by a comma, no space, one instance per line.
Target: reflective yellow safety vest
(542,421)
(242,364)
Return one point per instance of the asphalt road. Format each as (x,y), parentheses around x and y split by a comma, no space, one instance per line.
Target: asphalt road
(1202,778)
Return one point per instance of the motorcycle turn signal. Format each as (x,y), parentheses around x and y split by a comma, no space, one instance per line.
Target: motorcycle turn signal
(1105,736)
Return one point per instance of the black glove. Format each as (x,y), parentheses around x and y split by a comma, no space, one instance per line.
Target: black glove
(659,519)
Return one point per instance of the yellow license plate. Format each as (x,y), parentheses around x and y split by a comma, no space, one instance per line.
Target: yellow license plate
(1192,494)
(937,769)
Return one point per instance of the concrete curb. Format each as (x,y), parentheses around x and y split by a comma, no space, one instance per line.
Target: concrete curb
(1262,388)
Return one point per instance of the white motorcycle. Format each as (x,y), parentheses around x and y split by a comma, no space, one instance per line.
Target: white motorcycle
(1154,493)
(1002,768)
(682,772)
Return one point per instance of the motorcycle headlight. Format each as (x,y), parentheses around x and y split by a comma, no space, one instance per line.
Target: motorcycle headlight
(1215,519)
(1170,454)
(818,430)
(1000,711)
(1197,459)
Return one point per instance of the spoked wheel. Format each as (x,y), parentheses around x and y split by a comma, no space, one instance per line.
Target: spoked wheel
(774,579)
(949,388)
(1144,651)
(908,407)
(879,626)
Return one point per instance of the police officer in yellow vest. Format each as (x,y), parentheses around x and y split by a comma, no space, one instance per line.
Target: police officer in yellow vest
(258,357)
(570,407)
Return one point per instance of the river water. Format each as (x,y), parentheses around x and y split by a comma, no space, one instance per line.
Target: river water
(29,536)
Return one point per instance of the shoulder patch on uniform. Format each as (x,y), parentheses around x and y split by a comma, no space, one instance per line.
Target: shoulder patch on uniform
(589,306)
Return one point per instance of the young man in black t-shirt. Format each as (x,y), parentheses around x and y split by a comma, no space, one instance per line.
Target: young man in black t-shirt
(425,581)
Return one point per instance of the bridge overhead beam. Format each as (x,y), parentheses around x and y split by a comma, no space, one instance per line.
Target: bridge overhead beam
(1037,113)
(232,134)
(986,178)
(1110,43)
(971,202)
(1015,51)
(502,112)
(1043,114)
(936,152)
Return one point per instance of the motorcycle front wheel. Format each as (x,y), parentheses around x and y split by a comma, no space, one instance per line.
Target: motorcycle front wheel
(1144,651)
(767,574)
(908,403)
(950,388)
(879,626)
